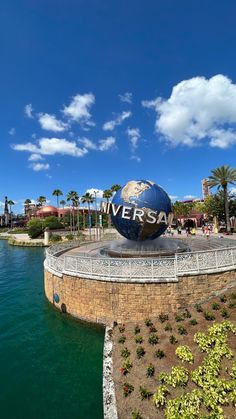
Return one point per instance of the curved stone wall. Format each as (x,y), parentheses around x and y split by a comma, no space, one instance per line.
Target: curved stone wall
(104,302)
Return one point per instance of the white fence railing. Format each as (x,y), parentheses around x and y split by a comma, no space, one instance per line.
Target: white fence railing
(140,269)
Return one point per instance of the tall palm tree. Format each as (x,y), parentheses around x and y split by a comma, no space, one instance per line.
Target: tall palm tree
(57,193)
(63,203)
(89,199)
(221,177)
(41,200)
(107,194)
(10,203)
(115,188)
(72,196)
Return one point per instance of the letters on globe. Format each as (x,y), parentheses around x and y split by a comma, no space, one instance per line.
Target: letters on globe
(137,214)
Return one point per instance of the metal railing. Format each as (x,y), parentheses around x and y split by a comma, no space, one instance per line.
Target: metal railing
(160,269)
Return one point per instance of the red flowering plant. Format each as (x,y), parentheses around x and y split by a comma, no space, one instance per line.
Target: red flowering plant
(127,389)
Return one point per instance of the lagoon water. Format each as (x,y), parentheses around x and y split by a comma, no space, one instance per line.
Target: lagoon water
(50,364)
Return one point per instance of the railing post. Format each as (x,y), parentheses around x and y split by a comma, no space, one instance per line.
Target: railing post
(152,269)
(197,260)
(232,257)
(130,269)
(216,258)
(176,266)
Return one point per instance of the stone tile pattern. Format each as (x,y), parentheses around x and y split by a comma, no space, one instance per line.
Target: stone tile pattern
(105,302)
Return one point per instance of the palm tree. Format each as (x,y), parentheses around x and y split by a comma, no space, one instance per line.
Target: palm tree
(72,196)
(57,193)
(89,199)
(220,177)
(107,194)
(63,203)
(41,200)
(10,203)
(115,188)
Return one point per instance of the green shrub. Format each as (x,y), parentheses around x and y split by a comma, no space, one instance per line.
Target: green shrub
(136,330)
(121,328)
(173,340)
(193,322)
(159,354)
(177,377)
(136,414)
(52,223)
(208,315)
(148,322)
(35,228)
(215,306)
(168,327)
(150,370)
(125,353)
(184,353)
(198,307)
(163,317)
(223,298)
(144,393)
(138,339)
(179,318)
(224,313)
(70,237)
(182,330)
(126,367)
(159,398)
(55,238)
(153,339)
(140,352)
(122,339)
(152,329)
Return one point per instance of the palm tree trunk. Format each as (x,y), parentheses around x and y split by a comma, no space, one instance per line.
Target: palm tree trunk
(227,220)
(90,222)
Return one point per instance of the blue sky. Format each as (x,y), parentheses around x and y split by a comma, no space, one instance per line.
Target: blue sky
(101,92)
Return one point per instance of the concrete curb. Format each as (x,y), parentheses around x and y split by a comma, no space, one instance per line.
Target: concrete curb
(109,398)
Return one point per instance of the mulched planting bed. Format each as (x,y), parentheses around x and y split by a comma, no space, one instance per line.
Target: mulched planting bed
(141,351)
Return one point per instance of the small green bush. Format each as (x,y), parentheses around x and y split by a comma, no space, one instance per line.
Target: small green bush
(35,228)
(138,339)
(125,353)
(144,393)
(215,306)
(55,238)
(224,313)
(136,414)
(182,330)
(168,327)
(198,307)
(153,339)
(208,315)
(223,298)
(173,340)
(122,339)
(150,370)
(193,322)
(136,330)
(159,354)
(163,317)
(148,322)
(140,351)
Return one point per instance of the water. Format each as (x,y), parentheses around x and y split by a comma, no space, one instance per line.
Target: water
(50,364)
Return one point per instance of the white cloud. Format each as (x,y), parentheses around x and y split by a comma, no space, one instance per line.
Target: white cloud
(29,111)
(110,125)
(99,192)
(137,158)
(87,143)
(35,157)
(50,123)
(198,109)
(126,97)
(52,146)
(233,191)
(189,196)
(39,166)
(12,131)
(79,109)
(133,135)
(106,143)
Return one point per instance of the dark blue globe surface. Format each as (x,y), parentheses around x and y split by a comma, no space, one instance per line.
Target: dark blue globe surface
(145,195)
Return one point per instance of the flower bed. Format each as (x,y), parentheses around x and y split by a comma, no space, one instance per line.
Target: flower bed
(183,365)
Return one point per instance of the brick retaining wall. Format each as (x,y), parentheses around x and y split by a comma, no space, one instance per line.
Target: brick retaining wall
(105,302)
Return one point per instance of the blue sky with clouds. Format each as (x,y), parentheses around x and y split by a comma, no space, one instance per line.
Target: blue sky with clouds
(99,92)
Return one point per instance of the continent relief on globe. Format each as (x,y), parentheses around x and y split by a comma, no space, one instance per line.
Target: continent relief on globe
(140,210)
